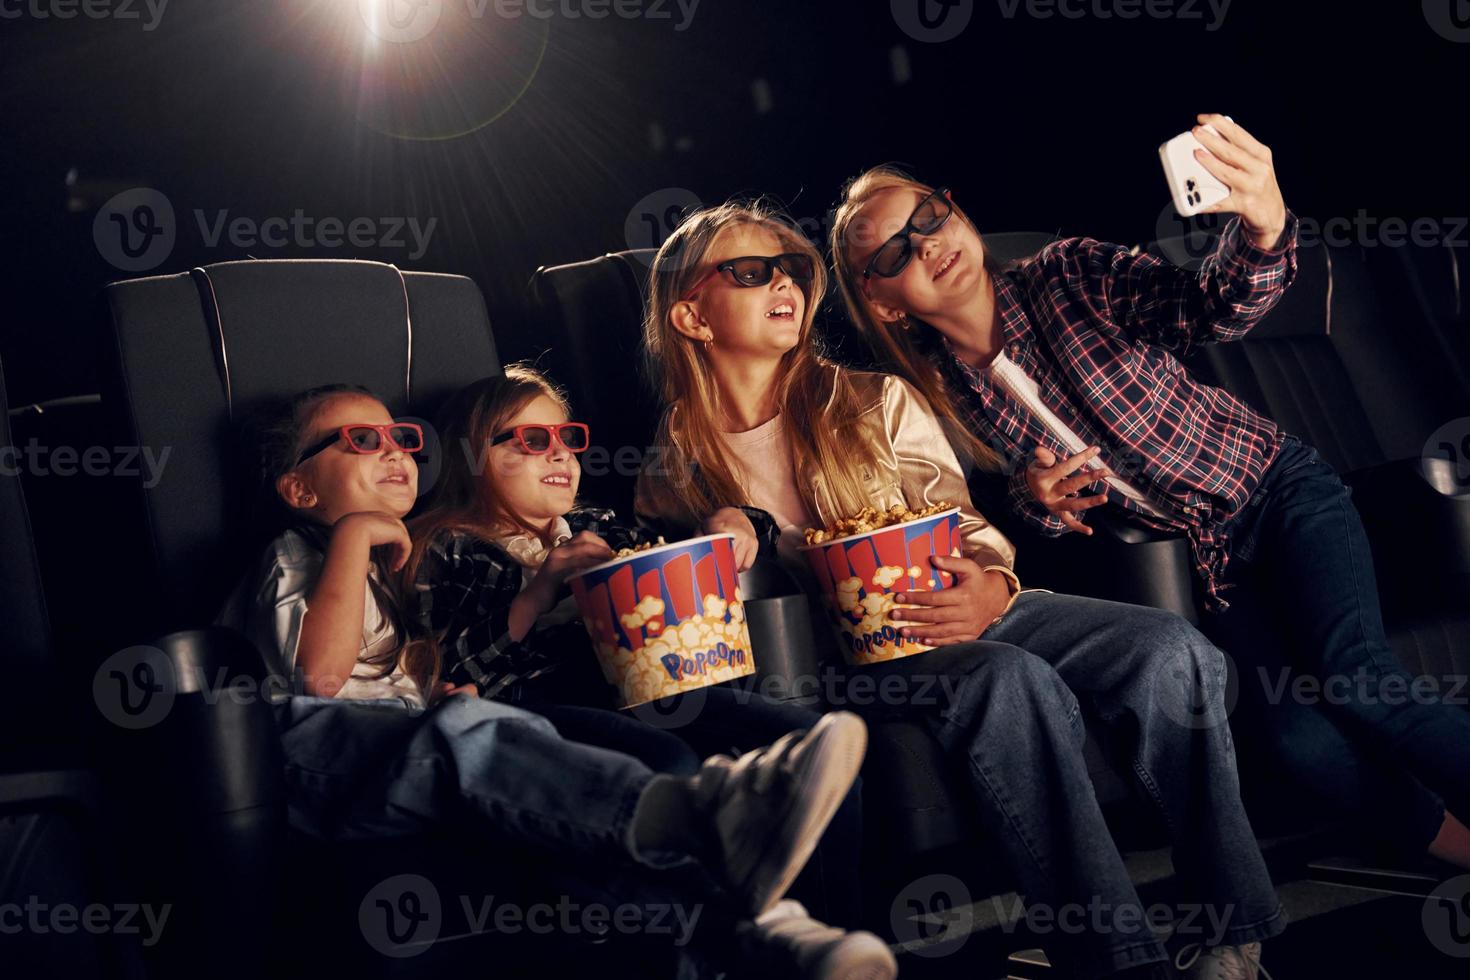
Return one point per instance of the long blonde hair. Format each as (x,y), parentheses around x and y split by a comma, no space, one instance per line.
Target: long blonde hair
(895,343)
(826,436)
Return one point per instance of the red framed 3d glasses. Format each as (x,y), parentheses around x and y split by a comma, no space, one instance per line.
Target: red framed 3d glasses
(537,439)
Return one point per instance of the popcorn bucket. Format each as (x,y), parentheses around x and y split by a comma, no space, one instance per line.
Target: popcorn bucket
(859,576)
(667,620)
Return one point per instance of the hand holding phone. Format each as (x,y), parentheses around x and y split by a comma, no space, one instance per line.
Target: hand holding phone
(1193,187)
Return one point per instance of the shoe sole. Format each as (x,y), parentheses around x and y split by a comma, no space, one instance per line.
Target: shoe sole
(831,768)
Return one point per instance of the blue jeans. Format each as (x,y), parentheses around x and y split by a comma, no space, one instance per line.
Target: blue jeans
(1011,705)
(371,769)
(1300,560)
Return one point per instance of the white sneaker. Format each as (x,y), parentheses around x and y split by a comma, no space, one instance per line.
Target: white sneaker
(1221,962)
(786,942)
(770,807)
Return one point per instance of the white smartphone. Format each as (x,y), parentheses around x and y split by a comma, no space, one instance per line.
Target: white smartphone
(1194,188)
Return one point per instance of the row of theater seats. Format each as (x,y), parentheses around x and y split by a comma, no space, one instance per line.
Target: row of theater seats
(1367,358)
(1364,362)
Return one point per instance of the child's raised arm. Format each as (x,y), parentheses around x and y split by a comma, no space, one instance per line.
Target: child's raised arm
(331,629)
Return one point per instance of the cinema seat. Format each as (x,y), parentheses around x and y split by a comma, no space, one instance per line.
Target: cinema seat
(1368,383)
(191,355)
(53,833)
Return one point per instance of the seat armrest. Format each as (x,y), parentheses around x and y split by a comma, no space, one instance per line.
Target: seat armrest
(75,789)
(1122,561)
(1417,515)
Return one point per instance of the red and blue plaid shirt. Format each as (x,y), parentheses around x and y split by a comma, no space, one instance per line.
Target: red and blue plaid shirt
(1101,329)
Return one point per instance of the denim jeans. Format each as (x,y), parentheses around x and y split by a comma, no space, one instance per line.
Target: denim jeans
(1012,704)
(1299,553)
(362,770)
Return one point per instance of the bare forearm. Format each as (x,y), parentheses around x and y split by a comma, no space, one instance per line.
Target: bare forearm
(331,630)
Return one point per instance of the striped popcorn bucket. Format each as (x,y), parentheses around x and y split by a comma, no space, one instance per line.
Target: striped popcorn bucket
(860,575)
(667,620)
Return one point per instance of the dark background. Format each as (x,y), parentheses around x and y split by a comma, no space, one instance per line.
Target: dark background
(264,108)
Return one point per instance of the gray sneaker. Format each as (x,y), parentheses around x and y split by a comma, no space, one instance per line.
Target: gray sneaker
(1221,962)
(786,944)
(770,807)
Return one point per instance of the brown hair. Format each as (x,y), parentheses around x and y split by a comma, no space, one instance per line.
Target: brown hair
(465,498)
(896,345)
(827,440)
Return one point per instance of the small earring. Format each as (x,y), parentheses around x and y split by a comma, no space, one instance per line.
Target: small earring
(309,500)
(709,343)
(903,321)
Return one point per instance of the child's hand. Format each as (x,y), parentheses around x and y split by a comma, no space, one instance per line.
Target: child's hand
(378,528)
(1053,485)
(448,690)
(562,562)
(731,520)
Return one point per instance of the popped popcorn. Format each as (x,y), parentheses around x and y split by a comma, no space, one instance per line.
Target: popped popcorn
(645,546)
(872,519)
(707,648)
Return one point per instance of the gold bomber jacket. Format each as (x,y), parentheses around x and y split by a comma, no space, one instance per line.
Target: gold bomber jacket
(916,467)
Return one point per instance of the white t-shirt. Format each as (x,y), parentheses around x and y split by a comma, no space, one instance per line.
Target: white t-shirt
(762,460)
(269,608)
(1007,374)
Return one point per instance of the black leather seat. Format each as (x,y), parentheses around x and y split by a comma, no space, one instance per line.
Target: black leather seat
(52,830)
(1367,382)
